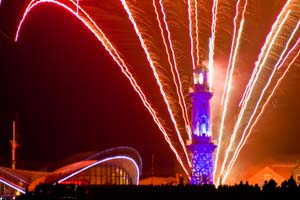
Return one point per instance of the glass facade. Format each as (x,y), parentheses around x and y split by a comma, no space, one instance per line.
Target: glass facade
(7,192)
(101,175)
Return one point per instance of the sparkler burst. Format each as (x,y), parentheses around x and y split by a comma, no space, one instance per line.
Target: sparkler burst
(175,37)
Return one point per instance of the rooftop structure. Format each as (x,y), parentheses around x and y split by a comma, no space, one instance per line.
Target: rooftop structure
(115,166)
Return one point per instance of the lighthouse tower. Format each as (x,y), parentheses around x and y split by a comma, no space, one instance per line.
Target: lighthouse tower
(201,146)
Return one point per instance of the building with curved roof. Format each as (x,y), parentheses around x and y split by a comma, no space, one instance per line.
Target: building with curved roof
(114,166)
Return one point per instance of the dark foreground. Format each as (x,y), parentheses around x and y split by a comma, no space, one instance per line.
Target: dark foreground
(240,191)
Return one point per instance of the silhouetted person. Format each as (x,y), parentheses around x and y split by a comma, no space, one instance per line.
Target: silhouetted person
(284,185)
(291,184)
(180,180)
(270,186)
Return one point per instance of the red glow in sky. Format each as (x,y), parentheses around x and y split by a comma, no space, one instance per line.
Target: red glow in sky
(67,89)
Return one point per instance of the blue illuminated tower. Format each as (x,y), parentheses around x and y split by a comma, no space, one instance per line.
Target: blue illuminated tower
(201,146)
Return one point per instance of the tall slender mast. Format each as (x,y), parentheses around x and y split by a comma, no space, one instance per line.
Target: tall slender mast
(14,145)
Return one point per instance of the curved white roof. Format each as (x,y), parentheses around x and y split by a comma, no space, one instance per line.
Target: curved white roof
(124,157)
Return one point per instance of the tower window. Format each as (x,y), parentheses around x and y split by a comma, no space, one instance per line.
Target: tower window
(203,124)
(203,119)
(201,78)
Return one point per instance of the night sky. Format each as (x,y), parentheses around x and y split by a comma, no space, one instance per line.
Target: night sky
(71,97)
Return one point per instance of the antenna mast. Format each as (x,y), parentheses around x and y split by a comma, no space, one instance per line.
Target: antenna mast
(14,145)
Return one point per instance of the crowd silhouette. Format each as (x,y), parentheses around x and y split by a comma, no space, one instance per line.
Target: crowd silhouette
(270,189)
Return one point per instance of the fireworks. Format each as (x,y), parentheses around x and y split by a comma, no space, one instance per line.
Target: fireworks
(185,33)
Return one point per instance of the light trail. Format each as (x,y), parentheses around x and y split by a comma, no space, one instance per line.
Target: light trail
(193,29)
(212,43)
(290,39)
(210,63)
(227,95)
(92,26)
(241,113)
(231,64)
(173,65)
(176,75)
(210,79)
(242,143)
(151,63)
(210,67)
(279,63)
(233,45)
(77,7)
(230,69)
(197,33)
(262,52)
(258,102)
(191,33)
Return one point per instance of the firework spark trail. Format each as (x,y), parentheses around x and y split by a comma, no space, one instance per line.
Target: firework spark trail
(257,73)
(293,33)
(77,6)
(233,45)
(173,65)
(279,63)
(210,65)
(210,85)
(242,143)
(113,53)
(197,34)
(262,52)
(156,77)
(236,42)
(231,65)
(191,33)
(148,106)
(210,59)
(241,113)
(212,43)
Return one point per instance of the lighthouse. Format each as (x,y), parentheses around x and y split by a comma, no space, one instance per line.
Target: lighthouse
(201,145)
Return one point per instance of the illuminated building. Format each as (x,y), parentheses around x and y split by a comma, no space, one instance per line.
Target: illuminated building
(296,173)
(279,172)
(201,145)
(115,166)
